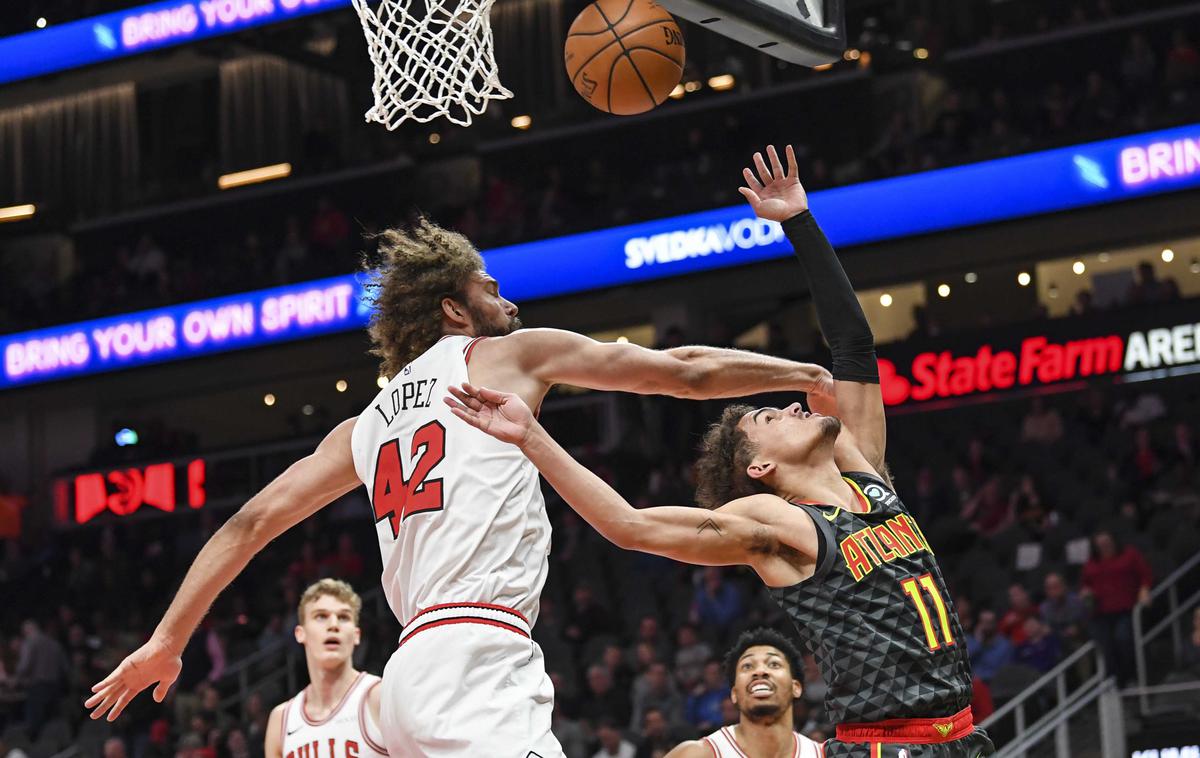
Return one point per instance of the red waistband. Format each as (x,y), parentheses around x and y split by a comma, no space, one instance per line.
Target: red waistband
(910,731)
(465,613)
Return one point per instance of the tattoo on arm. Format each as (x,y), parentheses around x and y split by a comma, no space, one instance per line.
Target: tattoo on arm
(709,524)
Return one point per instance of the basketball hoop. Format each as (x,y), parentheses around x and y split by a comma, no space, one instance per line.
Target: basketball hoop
(431,64)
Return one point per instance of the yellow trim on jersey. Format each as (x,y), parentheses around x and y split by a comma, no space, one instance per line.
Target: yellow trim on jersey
(861,494)
(877,750)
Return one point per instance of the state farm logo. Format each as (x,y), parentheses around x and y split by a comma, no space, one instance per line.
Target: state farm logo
(1040,361)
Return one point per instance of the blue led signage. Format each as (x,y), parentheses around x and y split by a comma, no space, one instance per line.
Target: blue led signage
(1038,183)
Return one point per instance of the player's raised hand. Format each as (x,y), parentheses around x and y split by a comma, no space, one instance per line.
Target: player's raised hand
(152,663)
(774,193)
(501,414)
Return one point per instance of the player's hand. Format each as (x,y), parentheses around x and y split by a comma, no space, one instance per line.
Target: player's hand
(501,414)
(152,663)
(775,194)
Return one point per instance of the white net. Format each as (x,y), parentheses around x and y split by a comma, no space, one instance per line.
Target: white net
(432,58)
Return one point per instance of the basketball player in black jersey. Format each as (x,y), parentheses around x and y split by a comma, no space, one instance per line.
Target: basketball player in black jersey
(804,499)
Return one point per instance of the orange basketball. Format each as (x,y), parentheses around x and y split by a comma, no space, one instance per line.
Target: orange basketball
(624,56)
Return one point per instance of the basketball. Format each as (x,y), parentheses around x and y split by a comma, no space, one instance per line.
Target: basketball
(624,56)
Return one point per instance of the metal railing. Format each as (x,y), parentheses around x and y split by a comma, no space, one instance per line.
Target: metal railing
(1057,726)
(1175,610)
(1065,698)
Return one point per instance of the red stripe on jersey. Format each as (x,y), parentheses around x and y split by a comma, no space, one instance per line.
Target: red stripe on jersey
(470,347)
(363,705)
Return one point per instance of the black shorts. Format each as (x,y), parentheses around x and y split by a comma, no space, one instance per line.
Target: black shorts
(973,745)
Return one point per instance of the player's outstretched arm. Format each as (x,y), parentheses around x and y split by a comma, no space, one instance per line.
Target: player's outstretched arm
(308,485)
(776,194)
(554,356)
(735,534)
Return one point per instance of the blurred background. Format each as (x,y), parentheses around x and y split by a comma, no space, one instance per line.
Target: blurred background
(1011,184)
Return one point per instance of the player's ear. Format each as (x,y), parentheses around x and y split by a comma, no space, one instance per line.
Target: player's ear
(455,312)
(797,689)
(300,635)
(759,469)
(733,695)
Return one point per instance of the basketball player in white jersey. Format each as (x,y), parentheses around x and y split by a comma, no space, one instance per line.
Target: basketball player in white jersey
(337,714)
(460,519)
(762,666)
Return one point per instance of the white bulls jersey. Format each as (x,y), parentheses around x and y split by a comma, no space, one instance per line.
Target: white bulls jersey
(347,732)
(724,745)
(459,514)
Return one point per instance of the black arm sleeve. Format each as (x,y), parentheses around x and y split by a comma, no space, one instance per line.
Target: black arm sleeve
(841,317)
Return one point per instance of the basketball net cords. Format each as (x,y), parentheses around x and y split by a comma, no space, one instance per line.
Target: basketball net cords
(439,64)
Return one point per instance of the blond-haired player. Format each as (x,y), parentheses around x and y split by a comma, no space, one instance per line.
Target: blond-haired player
(337,714)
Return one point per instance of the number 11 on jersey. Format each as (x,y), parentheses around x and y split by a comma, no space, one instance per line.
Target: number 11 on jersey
(395,497)
(912,587)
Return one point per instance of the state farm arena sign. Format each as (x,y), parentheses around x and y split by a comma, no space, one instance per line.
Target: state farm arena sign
(1050,357)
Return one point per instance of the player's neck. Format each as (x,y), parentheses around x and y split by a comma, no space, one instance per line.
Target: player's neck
(770,739)
(327,687)
(815,484)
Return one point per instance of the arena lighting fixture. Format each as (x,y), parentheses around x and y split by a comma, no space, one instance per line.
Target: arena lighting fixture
(1103,257)
(920,53)
(692,86)
(41,22)
(678,92)
(268,400)
(851,55)
(971,277)
(17,212)
(341,385)
(1195,267)
(622,340)
(381,382)
(522,122)
(944,290)
(254,176)
(1168,255)
(1024,278)
(1078,267)
(885,300)
(722,82)
(435,138)
(307,409)
(823,67)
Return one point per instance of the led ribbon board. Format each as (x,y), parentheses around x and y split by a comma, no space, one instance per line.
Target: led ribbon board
(136,30)
(980,193)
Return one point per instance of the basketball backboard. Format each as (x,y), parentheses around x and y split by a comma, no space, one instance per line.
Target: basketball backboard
(805,32)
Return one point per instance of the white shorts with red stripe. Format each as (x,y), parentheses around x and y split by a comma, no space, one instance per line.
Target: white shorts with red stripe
(467,680)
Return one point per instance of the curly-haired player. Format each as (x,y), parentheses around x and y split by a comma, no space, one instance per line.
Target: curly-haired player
(459,516)
(763,670)
(803,498)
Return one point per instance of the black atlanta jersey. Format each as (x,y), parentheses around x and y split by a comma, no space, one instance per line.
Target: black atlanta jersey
(877,616)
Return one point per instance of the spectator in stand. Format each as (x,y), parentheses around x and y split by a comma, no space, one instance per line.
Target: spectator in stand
(1145,408)
(717,603)
(1182,65)
(1040,648)
(927,501)
(1183,456)
(1115,579)
(704,704)
(114,747)
(650,634)
(989,650)
(346,563)
(330,229)
(1064,612)
(619,668)
(293,254)
(1042,425)
(11,505)
(42,670)
(655,691)
(603,701)
(1148,289)
(988,512)
(612,744)
(148,265)
(1084,304)
(306,569)
(1020,610)
(656,738)
(690,657)
(586,618)
(1029,508)
(1145,462)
